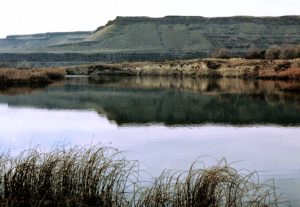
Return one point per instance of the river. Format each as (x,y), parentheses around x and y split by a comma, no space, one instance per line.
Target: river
(165,122)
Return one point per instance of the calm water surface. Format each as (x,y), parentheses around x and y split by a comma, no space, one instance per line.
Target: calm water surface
(165,122)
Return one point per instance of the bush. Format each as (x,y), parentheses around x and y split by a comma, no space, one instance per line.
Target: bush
(298,51)
(273,53)
(256,54)
(221,53)
(288,53)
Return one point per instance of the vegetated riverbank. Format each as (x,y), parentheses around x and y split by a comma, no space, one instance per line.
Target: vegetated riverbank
(201,68)
(41,76)
(102,176)
(205,68)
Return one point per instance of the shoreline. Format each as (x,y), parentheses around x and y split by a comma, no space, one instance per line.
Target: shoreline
(236,68)
(202,68)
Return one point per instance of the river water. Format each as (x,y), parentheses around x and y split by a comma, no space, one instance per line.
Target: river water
(165,122)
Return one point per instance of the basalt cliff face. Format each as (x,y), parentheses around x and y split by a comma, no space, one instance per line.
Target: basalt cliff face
(167,35)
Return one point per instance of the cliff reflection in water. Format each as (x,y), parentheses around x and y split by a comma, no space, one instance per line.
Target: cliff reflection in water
(171,101)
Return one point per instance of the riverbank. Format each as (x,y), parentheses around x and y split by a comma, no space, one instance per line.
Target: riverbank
(41,76)
(197,68)
(204,68)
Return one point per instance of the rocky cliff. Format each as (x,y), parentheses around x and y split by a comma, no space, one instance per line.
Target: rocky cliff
(167,35)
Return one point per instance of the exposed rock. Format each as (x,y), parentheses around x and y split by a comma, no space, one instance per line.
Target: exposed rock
(171,35)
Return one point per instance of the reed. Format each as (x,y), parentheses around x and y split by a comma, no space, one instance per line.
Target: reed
(102,176)
(220,185)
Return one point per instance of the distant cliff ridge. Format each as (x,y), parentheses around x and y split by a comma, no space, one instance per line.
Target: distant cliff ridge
(208,20)
(167,35)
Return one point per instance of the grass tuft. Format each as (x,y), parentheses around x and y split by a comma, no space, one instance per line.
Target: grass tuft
(220,185)
(102,176)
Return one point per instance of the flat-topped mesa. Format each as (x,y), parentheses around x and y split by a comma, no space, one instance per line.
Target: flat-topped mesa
(164,38)
(45,35)
(186,34)
(290,20)
(161,20)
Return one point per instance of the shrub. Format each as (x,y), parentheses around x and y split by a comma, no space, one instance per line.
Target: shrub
(213,65)
(288,53)
(256,54)
(298,51)
(282,66)
(221,53)
(273,53)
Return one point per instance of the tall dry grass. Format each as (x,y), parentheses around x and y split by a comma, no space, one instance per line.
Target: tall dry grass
(96,176)
(101,176)
(285,74)
(220,185)
(10,76)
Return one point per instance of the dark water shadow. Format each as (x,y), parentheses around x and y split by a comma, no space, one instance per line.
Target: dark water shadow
(171,101)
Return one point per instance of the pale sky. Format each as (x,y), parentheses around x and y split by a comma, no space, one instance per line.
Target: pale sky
(38,16)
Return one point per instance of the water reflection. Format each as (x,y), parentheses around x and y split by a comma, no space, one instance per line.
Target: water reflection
(172,101)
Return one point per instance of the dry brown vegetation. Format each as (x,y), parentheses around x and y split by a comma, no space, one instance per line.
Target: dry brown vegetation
(289,73)
(11,76)
(203,68)
(275,52)
(101,176)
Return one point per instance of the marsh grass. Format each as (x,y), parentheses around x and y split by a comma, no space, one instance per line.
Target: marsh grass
(219,185)
(102,176)
(11,76)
